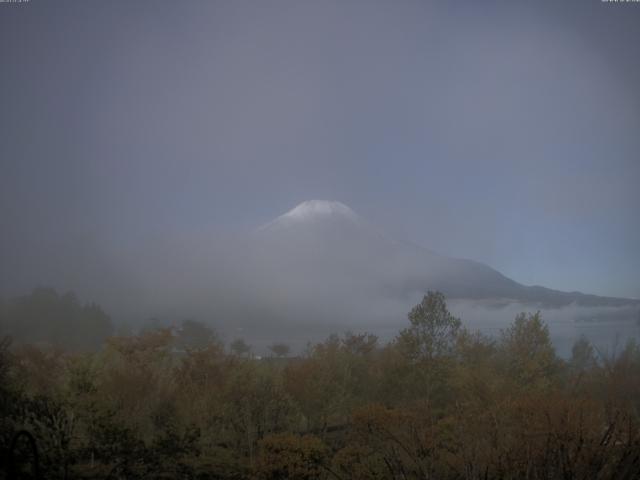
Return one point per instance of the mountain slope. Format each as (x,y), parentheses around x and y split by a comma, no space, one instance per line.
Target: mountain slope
(325,244)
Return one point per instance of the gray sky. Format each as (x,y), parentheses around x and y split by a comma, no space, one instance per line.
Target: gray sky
(505,132)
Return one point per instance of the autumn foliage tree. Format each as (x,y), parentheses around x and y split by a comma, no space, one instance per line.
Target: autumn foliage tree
(291,456)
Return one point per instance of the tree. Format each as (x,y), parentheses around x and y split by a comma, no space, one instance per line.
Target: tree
(389,443)
(583,356)
(240,347)
(291,456)
(280,350)
(528,352)
(433,329)
(360,344)
(195,335)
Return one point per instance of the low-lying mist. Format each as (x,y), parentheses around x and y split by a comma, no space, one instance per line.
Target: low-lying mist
(247,288)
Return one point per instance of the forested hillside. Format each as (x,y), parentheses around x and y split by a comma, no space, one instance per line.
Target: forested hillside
(45,317)
(437,402)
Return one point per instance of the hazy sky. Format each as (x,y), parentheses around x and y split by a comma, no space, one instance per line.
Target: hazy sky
(507,132)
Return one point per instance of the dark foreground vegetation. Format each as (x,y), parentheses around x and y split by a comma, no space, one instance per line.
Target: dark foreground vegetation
(438,402)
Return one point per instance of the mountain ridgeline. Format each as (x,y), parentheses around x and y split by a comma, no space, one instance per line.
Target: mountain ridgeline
(329,237)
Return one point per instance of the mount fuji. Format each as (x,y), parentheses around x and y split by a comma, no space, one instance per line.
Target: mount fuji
(325,248)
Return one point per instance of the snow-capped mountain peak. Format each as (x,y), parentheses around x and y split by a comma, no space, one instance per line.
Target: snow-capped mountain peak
(315,210)
(319,208)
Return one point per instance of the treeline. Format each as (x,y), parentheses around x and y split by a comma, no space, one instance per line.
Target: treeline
(45,317)
(438,402)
